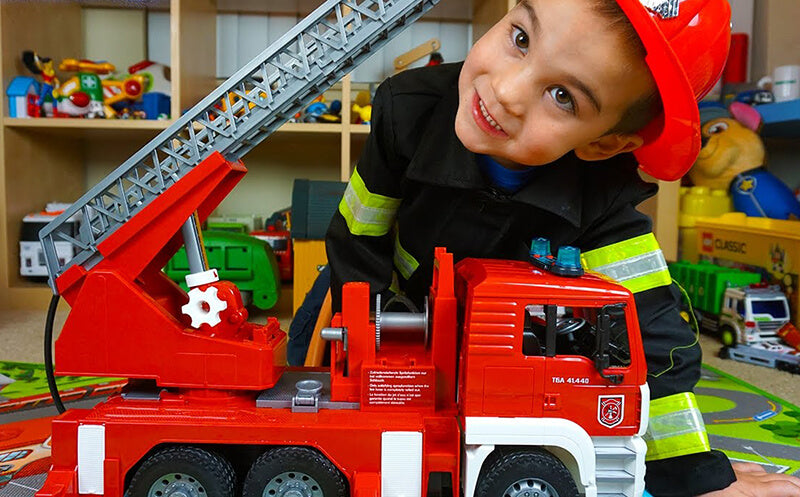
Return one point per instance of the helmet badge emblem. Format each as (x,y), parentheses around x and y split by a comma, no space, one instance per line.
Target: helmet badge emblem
(667,9)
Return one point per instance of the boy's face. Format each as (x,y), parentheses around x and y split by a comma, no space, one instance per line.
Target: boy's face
(549,78)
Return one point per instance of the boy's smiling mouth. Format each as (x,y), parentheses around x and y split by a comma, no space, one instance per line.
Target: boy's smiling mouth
(484,119)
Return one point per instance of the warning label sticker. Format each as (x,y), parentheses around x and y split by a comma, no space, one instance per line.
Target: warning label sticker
(399,387)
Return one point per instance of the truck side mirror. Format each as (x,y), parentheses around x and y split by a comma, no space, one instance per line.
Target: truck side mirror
(602,358)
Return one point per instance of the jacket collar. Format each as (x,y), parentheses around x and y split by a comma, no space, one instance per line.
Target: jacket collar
(441,159)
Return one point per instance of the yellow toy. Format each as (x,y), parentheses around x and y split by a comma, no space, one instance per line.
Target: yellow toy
(362,108)
(730,147)
(733,158)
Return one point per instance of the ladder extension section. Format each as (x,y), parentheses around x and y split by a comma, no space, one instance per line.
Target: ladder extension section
(234,118)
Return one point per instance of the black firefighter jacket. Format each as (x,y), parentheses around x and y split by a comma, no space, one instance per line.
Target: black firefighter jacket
(413,154)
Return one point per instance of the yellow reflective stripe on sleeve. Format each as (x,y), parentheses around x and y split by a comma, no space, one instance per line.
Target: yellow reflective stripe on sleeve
(637,264)
(367,213)
(675,428)
(403,261)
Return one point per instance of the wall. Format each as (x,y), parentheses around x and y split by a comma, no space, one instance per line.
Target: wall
(242,36)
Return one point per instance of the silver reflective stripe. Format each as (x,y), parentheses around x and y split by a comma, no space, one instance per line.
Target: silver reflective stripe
(635,267)
(403,261)
(674,424)
(365,219)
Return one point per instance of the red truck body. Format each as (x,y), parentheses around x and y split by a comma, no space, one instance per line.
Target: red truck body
(507,356)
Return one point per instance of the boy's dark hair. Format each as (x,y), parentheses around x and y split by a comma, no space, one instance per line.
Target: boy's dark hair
(642,111)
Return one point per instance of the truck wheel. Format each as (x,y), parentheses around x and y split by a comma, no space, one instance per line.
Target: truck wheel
(526,473)
(727,336)
(183,472)
(294,471)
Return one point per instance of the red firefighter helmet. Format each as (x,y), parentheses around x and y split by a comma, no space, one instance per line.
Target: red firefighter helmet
(687,44)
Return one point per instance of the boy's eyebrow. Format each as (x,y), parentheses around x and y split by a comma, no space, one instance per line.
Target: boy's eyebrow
(526,4)
(580,85)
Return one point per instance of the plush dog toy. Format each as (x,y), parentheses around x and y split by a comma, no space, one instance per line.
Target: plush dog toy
(733,158)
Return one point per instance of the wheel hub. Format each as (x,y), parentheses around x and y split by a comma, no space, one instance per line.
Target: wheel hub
(292,484)
(176,485)
(530,487)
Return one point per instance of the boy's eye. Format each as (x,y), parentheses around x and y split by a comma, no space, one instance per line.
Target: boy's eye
(562,98)
(520,38)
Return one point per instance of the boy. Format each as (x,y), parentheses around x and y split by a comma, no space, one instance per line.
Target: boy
(531,137)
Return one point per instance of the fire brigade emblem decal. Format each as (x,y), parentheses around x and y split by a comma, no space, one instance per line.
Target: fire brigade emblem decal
(610,410)
(667,9)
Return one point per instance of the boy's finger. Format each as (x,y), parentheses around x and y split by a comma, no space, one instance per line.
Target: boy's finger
(748,467)
(783,479)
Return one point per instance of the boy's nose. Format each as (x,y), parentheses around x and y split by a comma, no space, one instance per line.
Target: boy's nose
(510,89)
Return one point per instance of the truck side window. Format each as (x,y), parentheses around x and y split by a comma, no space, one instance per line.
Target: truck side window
(534,330)
(577,331)
(619,348)
(740,307)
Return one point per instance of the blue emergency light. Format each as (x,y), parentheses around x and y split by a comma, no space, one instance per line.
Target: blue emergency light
(568,262)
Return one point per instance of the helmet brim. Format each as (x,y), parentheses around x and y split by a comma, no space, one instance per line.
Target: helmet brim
(672,141)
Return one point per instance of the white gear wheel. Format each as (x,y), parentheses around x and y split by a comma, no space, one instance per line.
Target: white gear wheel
(204,307)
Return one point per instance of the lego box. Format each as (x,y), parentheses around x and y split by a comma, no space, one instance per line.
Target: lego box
(770,245)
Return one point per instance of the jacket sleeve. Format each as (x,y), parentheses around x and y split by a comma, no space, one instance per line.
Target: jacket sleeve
(671,348)
(359,241)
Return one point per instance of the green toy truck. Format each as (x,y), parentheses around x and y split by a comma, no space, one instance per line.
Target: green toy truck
(731,303)
(245,260)
(748,317)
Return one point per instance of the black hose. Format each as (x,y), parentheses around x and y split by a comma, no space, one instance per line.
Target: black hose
(48,354)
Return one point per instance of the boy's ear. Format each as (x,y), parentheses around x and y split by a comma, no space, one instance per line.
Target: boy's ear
(608,146)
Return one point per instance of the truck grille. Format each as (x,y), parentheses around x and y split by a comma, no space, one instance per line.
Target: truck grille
(768,329)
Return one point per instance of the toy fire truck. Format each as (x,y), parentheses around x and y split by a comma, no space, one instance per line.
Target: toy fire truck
(521,379)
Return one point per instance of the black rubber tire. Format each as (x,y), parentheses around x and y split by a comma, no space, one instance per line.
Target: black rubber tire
(300,459)
(513,464)
(725,353)
(212,471)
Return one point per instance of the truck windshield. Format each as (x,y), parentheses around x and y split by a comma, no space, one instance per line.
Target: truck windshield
(775,308)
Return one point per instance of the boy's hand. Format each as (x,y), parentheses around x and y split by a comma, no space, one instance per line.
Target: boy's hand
(753,481)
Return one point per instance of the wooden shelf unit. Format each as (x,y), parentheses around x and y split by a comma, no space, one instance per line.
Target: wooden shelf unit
(45,160)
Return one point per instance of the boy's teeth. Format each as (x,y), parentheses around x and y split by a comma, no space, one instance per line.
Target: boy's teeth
(488,117)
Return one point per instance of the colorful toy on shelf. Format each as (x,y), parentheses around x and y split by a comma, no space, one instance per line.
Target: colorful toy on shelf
(746,315)
(82,95)
(158,75)
(315,110)
(240,258)
(43,67)
(130,88)
(733,158)
(23,97)
(320,112)
(362,108)
(333,114)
